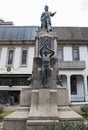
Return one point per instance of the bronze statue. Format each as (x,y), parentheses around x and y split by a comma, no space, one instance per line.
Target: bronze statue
(46,62)
(46,19)
(46,54)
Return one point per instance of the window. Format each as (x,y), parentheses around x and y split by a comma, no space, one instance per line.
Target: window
(60,54)
(75,54)
(73,85)
(24,57)
(10,57)
(14,81)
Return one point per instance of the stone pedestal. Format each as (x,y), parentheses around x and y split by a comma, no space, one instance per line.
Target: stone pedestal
(43,109)
(43,104)
(39,107)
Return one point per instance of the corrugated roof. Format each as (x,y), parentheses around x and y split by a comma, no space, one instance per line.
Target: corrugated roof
(71,33)
(16,33)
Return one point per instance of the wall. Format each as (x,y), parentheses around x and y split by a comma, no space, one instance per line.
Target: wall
(16,68)
(67,53)
(83,54)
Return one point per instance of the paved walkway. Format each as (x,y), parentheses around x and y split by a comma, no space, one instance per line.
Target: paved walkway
(8,108)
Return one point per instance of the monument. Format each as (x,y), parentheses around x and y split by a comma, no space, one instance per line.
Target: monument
(46,19)
(43,103)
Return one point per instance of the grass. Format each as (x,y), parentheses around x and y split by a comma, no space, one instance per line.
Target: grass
(4,114)
(82,114)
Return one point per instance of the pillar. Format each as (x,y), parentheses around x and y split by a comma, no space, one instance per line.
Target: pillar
(69,87)
(85,87)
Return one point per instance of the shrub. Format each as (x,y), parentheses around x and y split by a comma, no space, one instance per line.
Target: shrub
(66,126)
(85,109)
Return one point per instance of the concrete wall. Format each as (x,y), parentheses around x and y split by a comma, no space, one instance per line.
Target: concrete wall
(67,53)
(16,68)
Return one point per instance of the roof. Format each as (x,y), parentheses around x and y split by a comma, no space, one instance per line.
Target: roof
(23,33)
(17,33)
(71,33)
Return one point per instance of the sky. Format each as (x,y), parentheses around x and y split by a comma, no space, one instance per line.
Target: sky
(28,12)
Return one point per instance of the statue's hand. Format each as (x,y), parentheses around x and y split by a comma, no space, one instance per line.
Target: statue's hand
(54,13)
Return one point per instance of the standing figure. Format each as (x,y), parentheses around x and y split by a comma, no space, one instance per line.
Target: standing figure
(46,54)
(46,19)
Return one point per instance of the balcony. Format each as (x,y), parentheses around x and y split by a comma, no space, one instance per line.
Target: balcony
(74,65)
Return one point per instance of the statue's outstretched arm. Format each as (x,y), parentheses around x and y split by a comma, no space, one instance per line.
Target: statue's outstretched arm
(52,14)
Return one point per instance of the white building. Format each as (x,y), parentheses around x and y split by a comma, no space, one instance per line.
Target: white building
(16,60)
(73,61)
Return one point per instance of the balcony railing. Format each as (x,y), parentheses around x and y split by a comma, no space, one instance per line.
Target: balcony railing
(77,98)
(76,65)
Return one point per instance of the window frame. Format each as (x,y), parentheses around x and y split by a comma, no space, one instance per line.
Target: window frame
(74,89)
(78,58)
(60,48)
(26,57)
(9,49)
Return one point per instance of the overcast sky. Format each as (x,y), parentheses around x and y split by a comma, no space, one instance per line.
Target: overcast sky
(28,12)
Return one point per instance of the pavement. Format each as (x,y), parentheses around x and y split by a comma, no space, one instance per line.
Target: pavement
(8,108)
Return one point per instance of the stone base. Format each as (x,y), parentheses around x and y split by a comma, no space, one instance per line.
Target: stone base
(45,106)
(67,114)
(19,119)
(16,120)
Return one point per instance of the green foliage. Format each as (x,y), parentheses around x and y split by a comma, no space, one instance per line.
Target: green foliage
(66,126)
(85,109)
(5,113)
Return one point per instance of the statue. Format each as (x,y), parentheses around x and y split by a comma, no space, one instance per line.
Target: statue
(46,19)
(46,61)
(46,69)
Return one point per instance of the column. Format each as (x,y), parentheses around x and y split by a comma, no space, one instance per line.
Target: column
(69,87)
(55,47)
(85,87)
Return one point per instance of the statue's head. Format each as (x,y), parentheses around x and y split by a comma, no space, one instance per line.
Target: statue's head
(46,8)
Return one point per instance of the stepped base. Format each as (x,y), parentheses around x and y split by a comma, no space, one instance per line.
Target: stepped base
(19,119)
(44,109)
(16,120)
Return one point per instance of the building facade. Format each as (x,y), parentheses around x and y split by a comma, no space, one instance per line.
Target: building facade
(16,60)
